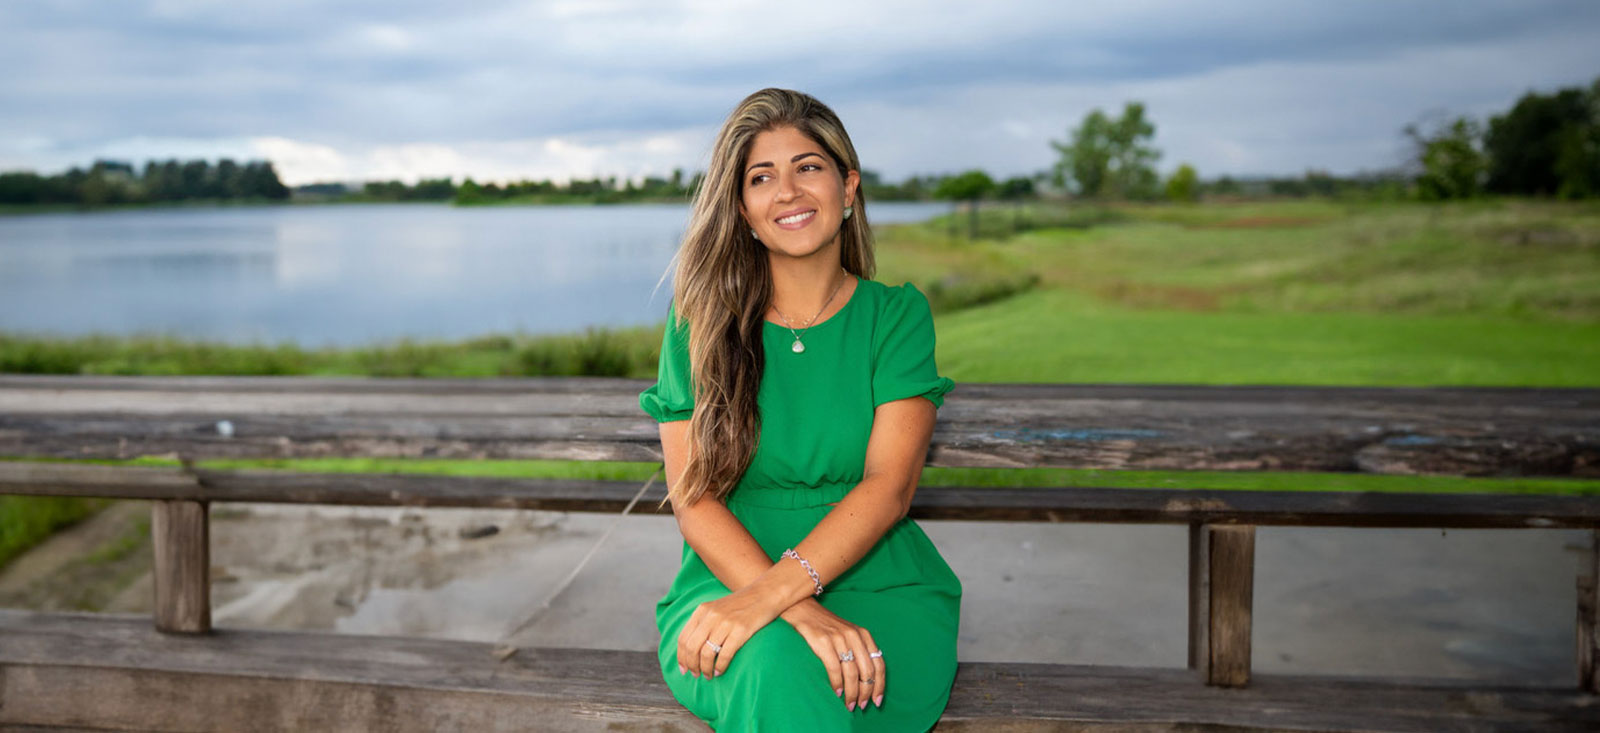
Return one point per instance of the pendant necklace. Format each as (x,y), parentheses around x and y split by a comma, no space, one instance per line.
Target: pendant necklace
(799,347)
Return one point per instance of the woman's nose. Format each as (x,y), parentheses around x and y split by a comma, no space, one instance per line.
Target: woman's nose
(786,188)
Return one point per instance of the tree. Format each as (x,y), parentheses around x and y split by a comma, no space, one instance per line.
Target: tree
(1183,186)
(1450,160)
(968,187)
(1110,156)
(1546,144)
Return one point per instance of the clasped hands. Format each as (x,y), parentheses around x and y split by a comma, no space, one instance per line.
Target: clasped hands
(730,621)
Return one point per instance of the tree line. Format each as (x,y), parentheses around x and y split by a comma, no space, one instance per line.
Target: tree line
(1544,145)
(110,182)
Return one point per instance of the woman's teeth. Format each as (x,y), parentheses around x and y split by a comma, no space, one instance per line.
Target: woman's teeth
(797,217)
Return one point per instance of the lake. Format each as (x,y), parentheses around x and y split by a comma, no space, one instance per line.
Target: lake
(342,275)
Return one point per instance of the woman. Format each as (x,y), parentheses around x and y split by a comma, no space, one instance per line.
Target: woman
(796,400)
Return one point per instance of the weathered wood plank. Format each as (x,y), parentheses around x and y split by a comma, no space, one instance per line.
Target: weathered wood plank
(1230,581)
(1199,657)
(1588,656)
(180,534)
(1074,504)
(1458,431)
(114,671)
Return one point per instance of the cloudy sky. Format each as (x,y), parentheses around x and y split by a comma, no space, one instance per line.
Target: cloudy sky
(379,89)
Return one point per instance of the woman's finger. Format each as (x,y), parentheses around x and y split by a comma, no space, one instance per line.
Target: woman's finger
(687,654)
(847,669)
(859,649)
(707,661)
(730,647)
(823,648)
(880,671)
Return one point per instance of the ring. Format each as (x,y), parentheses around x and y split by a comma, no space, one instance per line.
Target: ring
(867,681)
(847,656)
(876,654)
(715,647)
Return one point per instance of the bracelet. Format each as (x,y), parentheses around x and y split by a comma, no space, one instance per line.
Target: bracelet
(814,579)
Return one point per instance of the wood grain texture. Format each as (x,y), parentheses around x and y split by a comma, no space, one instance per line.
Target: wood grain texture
(1588,636)
(114,671)
(180,535)
(1448,431)
(1071,504)
(1230,576)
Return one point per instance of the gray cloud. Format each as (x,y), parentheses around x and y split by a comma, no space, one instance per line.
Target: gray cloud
(993,81)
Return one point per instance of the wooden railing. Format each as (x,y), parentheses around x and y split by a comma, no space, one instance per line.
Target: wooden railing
(1455,431)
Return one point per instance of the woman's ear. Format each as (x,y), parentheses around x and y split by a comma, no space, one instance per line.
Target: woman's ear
(852,181)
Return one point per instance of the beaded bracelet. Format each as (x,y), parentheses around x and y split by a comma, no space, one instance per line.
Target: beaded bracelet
(814,579)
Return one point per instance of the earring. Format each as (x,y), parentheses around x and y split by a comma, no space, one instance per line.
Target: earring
(847,211)
(753,234)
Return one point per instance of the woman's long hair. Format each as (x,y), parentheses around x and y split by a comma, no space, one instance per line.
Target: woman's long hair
(723,287)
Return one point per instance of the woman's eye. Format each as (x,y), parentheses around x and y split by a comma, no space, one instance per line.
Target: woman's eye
(812,166)
(759,177)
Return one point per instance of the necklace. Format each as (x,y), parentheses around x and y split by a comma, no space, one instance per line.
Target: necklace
(799,347)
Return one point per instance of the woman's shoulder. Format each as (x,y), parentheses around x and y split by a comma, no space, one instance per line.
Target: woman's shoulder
(895,299)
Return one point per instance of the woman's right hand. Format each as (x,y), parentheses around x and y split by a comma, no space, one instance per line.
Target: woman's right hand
(829,637)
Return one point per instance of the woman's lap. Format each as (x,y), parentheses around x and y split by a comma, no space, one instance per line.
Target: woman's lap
(775,682)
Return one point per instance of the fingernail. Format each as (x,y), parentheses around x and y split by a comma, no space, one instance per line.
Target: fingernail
(851,706)
(717,673)
(838,692)
(878,700)
(695,673)
(682,670)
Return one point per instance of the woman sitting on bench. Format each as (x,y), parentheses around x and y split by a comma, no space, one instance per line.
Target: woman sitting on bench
(796,400)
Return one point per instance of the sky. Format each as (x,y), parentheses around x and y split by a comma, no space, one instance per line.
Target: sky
(354,90)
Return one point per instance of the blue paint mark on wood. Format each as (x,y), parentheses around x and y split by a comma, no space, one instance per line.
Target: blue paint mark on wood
(1031,435)
(1413,440)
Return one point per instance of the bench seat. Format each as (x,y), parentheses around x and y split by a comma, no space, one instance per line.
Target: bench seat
(84,671)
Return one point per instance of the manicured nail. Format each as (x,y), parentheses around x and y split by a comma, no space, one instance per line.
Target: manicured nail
(682,670)
(695,673)
(851,706)
(838,692)
(878,700)
(717,673)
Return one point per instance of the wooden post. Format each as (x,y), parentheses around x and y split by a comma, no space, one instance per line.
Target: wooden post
(1588,610)
(1221,583)
(1199,591)
(180,532)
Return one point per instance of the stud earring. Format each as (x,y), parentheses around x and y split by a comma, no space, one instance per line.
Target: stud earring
(753,234)
(847,211)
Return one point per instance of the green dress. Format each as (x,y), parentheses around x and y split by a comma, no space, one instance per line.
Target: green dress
(817,412)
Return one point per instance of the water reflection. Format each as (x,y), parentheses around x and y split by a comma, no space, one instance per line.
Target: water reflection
(344,274)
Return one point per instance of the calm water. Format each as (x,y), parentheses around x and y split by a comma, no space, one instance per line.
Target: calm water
(342,275)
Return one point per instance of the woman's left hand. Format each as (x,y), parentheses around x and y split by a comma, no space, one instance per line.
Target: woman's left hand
(728,622)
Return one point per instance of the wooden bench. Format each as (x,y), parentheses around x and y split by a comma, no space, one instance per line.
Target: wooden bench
(100,671)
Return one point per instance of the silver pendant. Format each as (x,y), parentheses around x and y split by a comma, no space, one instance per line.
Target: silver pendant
(798,347)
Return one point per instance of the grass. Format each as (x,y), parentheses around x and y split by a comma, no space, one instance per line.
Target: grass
(612,352)
(1316,292)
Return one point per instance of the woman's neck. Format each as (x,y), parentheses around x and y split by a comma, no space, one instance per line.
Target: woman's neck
(802,287)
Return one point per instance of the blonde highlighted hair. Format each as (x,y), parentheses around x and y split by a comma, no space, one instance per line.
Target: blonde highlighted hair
(723,287)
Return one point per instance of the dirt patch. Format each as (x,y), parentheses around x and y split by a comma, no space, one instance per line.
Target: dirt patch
(1259,222)
(85,567)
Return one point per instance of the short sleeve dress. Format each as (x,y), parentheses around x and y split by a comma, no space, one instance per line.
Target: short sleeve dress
(817,409)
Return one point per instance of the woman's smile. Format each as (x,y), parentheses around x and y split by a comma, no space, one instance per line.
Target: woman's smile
(797,220)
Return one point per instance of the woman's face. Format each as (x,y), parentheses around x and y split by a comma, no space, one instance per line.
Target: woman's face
(793,193)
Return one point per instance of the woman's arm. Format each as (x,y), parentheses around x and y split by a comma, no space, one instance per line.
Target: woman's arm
(896,450)
(715,534)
